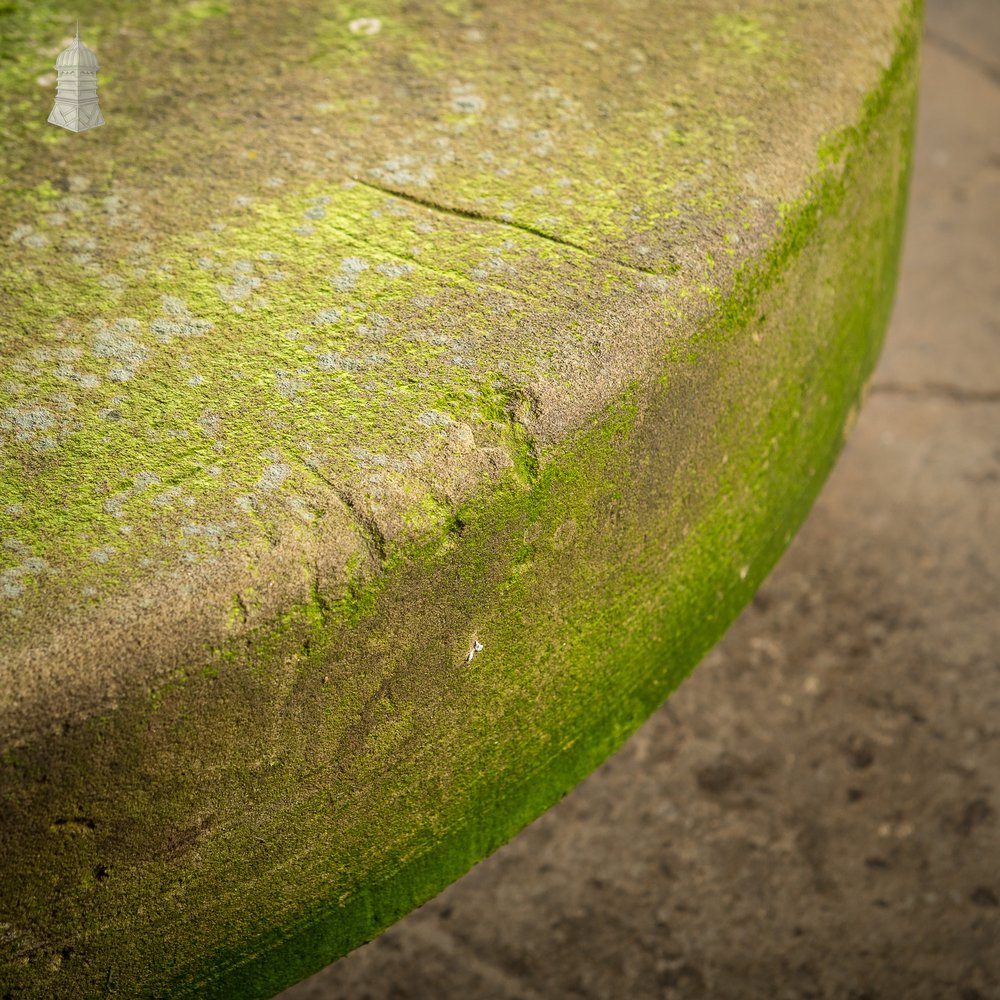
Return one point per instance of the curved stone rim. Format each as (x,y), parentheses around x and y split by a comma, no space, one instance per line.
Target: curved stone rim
(844,235)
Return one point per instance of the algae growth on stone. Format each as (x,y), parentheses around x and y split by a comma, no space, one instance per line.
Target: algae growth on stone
(448,323)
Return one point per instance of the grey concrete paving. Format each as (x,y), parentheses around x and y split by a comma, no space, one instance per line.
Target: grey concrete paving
(815,812)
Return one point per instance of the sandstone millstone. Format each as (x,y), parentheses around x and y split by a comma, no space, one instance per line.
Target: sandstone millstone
(360,341)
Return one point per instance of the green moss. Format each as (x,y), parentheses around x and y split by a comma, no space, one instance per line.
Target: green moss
(190,14)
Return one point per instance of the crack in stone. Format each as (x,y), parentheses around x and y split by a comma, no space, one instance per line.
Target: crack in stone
(467,213)
(367,525)
(939,390)
(242,605)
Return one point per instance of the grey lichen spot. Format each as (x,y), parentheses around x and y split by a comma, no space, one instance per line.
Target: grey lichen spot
(392,269)
(114,282)
(273,476)
(326,316)
(434,418)
(330,361)
(240,289)
(143,480)
(168,496)
(468,103)
(247,503)
(140,481)
(290,387)
(113,343)
(211,532)
(102,554)
(28,423)
(316,212)
(405,169)
(543,144)
(72,204)
(174,306)
(210,423)
(300,508)
(655,283)
(350,268)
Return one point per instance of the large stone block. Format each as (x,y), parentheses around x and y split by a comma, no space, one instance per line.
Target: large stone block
(351,345)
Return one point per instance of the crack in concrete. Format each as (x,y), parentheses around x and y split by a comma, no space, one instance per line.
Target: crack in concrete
(938,390)
(467,213)
(958,51)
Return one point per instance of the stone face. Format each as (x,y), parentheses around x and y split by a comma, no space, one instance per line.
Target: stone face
(452,327)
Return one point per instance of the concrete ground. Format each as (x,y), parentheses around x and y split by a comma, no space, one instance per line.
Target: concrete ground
(816,813)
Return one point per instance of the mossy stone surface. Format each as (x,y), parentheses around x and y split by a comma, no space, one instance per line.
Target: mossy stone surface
(360,335)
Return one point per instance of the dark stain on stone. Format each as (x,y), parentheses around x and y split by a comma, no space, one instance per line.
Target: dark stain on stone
(73,825)
(686,979)
(860,754)
(977,811)
(717,778)
(983,895)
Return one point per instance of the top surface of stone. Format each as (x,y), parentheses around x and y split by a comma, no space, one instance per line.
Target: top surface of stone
(323,275)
